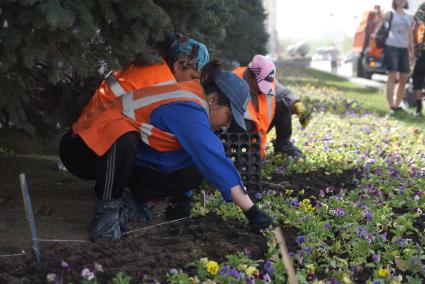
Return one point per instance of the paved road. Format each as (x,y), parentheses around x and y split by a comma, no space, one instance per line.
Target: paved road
(346,71)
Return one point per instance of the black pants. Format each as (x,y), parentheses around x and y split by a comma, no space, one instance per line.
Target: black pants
(418,74)
(281,120)
(148,184)
(115,170)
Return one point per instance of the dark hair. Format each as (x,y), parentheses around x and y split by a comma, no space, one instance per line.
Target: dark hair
(186,61)
(394,4)
(210,70)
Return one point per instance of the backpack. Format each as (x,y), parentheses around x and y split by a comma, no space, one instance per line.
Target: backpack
(382,34)
(418,37)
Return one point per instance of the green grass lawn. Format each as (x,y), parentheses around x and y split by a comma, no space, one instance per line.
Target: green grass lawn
(371,99)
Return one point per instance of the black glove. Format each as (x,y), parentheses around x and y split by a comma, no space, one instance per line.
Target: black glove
(178,209)
(258,218)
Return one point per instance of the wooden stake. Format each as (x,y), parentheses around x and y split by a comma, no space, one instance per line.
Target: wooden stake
(287,262)
(30,216)
(203,199)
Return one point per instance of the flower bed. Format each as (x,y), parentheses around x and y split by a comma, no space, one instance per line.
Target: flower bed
(351,212)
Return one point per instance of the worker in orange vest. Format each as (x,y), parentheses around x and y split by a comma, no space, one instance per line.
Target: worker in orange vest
(271,105)
(176,123)
(182,61)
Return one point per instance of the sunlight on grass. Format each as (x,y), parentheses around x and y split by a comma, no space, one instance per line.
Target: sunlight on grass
(372,100)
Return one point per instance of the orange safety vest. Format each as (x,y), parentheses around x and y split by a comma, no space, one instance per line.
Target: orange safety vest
(132,78)
(107,121)
(265,114)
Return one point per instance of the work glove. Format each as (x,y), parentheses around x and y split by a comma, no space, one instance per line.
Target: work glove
(258,218)
(178,208)
(303,116)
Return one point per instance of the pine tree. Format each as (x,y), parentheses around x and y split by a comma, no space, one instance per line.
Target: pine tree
(245,32)
(53,53)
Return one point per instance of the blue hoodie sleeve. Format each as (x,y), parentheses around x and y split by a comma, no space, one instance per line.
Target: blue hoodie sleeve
(189,123)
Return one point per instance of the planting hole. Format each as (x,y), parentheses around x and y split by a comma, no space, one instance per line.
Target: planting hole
(254,148)
(244,138)
(234,158)
(233,138)
(244,168)
(233,149)
(255,178)
(255,158)
(244,148)
(244,158)
(255,138)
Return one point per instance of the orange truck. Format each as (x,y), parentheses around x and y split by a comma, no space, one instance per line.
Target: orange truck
(367,58)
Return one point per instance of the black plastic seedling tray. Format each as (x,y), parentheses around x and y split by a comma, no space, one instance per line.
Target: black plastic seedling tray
(244,149)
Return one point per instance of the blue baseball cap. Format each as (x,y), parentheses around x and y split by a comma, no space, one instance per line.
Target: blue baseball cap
(237,90)
(195,51)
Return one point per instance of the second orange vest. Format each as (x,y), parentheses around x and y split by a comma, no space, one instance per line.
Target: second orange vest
(265,114)
(106,122)
(131,78)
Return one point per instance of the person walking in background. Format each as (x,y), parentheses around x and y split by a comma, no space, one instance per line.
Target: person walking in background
(398,51)
(334,53)
(418,75)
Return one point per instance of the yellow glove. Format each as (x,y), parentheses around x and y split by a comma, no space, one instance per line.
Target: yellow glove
(303,116)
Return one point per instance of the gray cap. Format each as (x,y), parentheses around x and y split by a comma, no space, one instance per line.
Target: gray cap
(237,90)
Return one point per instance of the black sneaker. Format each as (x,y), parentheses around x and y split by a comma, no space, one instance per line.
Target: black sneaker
(418,114)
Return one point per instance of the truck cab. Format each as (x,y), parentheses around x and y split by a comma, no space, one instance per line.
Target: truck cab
(367,58)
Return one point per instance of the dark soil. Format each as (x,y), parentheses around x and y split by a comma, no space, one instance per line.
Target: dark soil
(151,252)
(63,208)
(313,183)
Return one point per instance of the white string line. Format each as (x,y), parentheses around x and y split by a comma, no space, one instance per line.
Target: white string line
(60,241)
(15,254)
(85,241)
(145,228)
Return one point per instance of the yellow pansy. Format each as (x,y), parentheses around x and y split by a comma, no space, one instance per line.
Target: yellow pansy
(383,273)
(310,268)
(252,271)
(305,203)
(346,278)
(212,267)
(310,208)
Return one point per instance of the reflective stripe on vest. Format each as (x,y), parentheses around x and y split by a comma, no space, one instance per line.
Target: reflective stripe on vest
(115,86)
(270,111)
(130,105)
(118,90)
(270,107)
(166,83)
(248,116)
(146,131)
